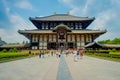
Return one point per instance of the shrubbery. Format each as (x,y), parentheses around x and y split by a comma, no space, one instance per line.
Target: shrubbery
(97,51)
(13,50)
(10,50)
(110,53)
(113,50)
(12,55)
(4,50)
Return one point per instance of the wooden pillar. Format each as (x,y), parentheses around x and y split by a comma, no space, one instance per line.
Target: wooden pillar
(66,41)
(57,44)
(92,38)
(48,41)
(37,37)
(31,41)
(38,41)
(75,40)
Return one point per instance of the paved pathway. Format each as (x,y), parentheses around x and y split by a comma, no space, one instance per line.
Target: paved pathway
(30,69)
(49,69)
(63,71)
(90,68)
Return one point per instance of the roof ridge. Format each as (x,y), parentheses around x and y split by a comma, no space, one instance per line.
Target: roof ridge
(62,15)
(51,15)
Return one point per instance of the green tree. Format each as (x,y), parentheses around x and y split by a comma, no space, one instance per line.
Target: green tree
(14,49)
(4,50)
(10,50)
(101,42)
(114,41)
(113,50)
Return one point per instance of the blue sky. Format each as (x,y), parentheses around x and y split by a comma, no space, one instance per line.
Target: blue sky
(14,15)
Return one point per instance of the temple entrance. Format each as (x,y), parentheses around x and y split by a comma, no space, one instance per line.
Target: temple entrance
(70,45)
(61,44)
(52,45)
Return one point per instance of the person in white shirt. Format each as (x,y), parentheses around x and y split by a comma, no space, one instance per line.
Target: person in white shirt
(75,55)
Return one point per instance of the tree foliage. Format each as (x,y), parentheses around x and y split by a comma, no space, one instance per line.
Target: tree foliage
(114,41)
(13,50)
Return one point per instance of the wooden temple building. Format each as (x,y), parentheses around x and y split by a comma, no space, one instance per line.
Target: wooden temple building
(59,30)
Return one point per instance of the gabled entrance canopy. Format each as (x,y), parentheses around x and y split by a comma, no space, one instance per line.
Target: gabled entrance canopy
(93,45)
(61,27)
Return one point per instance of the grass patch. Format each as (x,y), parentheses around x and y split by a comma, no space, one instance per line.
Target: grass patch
(113,56)
(12,59)
(117,53)
(10,56)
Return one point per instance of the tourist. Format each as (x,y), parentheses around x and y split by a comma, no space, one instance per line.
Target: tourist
(56,53)
(29,53)
(40,54)
(75,55)
(67,52)
(81,54)
(52,53)
(78,55)
(43,54)
(59,54)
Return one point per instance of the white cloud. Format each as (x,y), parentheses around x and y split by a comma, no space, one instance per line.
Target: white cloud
(116,2)
(107,15)
(104,36)
(103,18)
(2,32)
(69,2)
(17,22)
(24,4)
(78,9)
(87,6)
(11,37)
(75,11)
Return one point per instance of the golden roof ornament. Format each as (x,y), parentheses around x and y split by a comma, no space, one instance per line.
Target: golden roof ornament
(54,13)
(68,13)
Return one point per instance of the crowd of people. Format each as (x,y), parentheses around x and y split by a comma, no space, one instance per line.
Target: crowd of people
(77,54)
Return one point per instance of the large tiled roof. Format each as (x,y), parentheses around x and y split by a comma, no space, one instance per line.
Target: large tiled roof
(62,17)
(93,45)
(88,31)
(34,31)
(2,42)
(72,31)
(90,45)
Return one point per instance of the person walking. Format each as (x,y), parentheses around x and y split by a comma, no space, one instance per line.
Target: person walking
(78,55)
(29,53)
(59,54)
(43,54)
(40,54)
(81,54)
(51,53)
(67,53)
(75,55)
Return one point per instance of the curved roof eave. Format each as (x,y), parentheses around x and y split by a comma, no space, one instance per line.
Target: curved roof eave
(61,18)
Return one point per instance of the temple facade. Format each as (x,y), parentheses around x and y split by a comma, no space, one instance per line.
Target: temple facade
(59,30)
